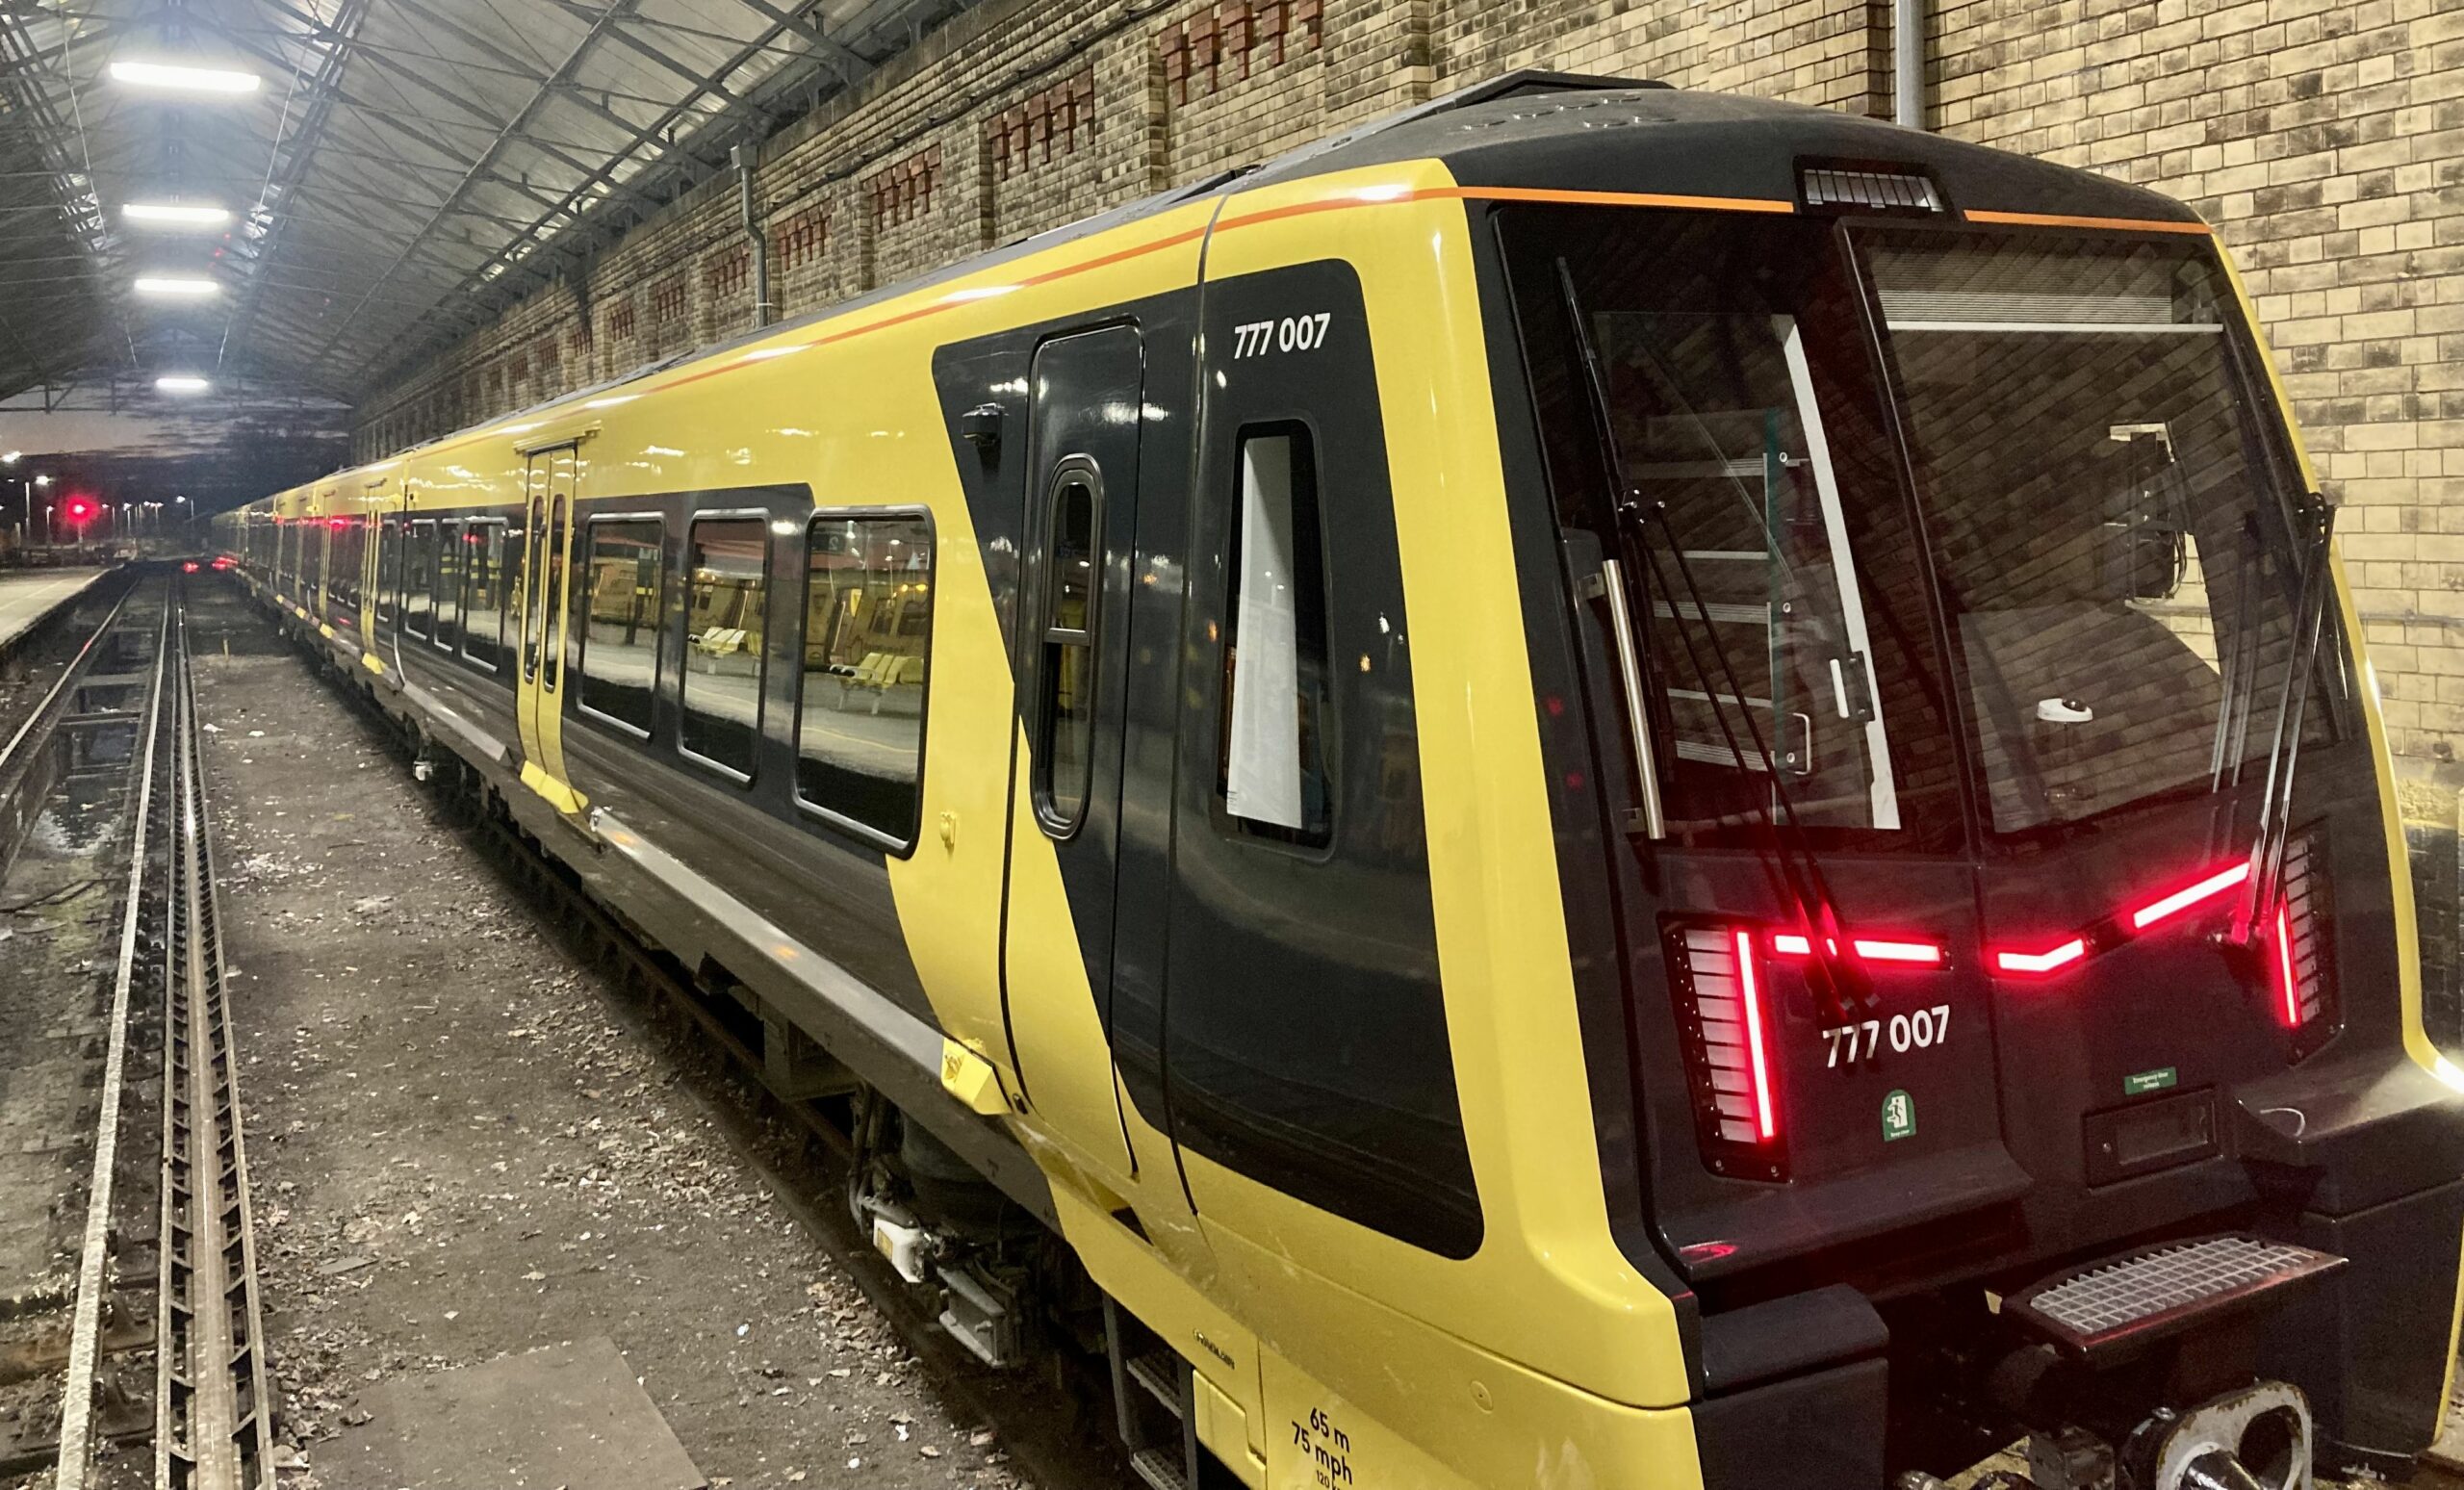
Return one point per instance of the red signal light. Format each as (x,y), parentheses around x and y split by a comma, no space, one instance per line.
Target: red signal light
(80,510)
(188,568)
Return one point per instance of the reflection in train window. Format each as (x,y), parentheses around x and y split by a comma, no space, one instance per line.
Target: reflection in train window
(620,621)
(419,577)
(868,622)
(1064,740)
(483,606)
(448,583)
(726,569)
(1276,711)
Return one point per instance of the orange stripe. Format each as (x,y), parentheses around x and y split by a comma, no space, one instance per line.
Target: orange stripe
(1611,199)
(2109,224)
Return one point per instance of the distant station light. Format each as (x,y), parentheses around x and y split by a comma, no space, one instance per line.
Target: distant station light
(180,383)
(177,77)
(176,214)
(183,286)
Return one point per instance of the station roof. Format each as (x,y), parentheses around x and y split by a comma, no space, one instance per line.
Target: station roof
(400,169)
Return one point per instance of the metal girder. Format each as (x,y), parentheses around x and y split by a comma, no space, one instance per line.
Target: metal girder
(564,70)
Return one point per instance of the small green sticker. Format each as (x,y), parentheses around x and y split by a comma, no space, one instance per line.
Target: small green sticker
(1899,1116)
(2145,1082)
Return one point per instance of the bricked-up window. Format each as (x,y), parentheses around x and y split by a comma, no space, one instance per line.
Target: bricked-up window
(545,353)
(578,339)
(519,369)
(1045,126)
(1225,42)
(667,302)
(620,321)
(903,191)
(802,238)
(2103,491)
(727,272)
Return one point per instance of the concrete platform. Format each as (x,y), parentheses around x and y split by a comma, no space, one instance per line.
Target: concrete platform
(28,595)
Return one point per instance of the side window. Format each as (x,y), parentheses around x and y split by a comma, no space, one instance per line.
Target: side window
(726,569)
(389,570)
(419,577)
(483,592)
(1277,709)
(619,622)
(869,630)
(448,583)
(317,545)
(1066,682)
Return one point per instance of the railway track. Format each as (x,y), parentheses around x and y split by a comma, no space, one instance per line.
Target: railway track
(131,1315)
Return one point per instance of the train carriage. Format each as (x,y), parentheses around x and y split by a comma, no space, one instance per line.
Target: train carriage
(1596,787)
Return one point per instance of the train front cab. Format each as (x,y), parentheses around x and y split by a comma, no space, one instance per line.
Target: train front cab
(1914,606)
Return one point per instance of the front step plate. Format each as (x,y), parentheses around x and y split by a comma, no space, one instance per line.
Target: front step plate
(2118,1304)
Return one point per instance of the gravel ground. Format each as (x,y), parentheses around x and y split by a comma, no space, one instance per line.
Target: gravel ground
(464,1146)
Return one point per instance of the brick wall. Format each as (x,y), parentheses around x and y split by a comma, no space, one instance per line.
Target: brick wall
(2327,141)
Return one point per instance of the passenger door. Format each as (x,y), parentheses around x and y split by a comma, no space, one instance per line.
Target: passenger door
(1071,649)
(539,696)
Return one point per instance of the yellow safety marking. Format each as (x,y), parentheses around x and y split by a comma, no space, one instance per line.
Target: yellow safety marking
(972,1080)
(373,663)
(563,798)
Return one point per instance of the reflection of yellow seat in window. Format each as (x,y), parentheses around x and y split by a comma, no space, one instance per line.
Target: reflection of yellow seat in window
(720,640)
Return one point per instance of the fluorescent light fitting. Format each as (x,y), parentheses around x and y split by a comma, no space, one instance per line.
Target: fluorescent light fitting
(179,214)
(180,383)
(175,285)
(183,78)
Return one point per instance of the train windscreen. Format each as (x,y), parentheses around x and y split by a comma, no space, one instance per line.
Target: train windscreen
(2087,557)
(2105,508)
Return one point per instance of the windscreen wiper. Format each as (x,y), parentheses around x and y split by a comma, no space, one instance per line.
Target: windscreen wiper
(2260,890)
(1835,980)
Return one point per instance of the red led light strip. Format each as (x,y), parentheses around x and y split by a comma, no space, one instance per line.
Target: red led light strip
(1926,954)
(2059,957)
(1764,1122)
(2284,976)
(2138,919)
(2188,896)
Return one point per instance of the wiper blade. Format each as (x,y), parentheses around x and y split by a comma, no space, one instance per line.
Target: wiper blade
(2261,890)
(1839,983)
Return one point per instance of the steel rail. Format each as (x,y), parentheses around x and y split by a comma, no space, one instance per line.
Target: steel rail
(77,1402)
(68,679)
(213,1421)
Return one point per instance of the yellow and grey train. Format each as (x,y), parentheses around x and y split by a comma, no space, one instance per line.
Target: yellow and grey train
(1599,787)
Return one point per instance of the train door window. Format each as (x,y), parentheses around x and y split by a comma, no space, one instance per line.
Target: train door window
(719,683)
(1278,706)
(318,543)
(551,591)
(450,564)
(483,592)
(517,544)
(389,570)
(618,621)
(1065,678)
(419,577)
(868,626)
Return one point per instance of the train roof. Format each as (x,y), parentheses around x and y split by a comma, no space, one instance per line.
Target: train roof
(1564,135)
(1547,132)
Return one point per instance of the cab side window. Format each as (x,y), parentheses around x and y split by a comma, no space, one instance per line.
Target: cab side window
(1278,706)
